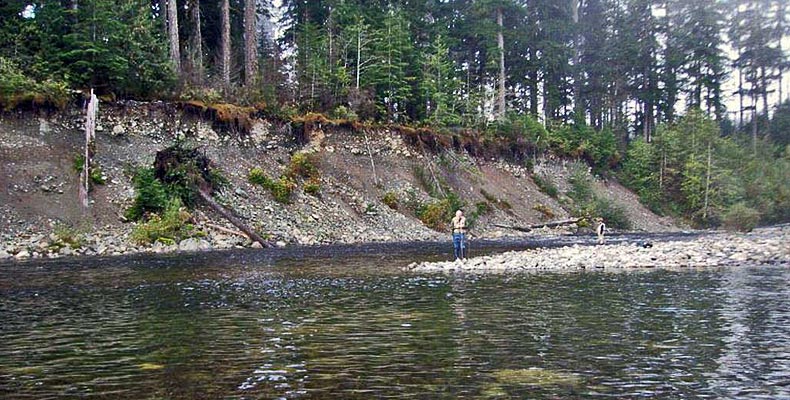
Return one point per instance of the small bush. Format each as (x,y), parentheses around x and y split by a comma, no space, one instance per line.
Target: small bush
(740,217)
(343,113)
(545,211)
(17,89)
(171,227)
(201,94)
(482,208)
(68,236)
(281,188)
(581,187)
(303,165)
(435,214)
(257,177)
(313,187)
(612,215)
(151,195)
(390,199)
(546,185)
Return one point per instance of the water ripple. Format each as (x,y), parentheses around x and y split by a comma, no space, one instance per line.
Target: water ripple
(245,331)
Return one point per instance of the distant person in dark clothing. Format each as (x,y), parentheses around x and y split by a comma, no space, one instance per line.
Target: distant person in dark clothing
(600,229)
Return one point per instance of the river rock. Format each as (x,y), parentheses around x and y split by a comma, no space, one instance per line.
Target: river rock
(194,244)
(22,255)
(4,255)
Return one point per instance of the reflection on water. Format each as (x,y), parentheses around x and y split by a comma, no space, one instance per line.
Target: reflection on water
(356,328)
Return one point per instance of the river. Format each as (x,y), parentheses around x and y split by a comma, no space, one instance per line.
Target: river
(350,324)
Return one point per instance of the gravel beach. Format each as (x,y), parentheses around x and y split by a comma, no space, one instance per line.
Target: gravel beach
(769,245)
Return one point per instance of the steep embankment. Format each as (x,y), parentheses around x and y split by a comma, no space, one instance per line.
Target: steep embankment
(39,195)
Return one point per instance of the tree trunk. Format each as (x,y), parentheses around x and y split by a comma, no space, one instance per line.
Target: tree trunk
(578,103)
(740,96)
(250,42)
(225,42)
(196,43)
(707,185)
(533,83)
(764,79)
(501,46)
(537,226)
(172,34)
(235,221)
(359,55)
(754,125)
(162,4)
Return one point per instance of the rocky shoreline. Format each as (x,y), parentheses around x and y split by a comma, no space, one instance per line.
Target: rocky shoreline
(769,245)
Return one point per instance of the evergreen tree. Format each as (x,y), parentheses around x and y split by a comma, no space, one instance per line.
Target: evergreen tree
(696,35)
(393,51)
(439,85)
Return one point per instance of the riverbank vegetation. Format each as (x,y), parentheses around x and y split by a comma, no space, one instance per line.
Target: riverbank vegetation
(632,88)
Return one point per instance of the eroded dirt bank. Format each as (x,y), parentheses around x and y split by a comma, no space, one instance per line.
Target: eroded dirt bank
(39,195)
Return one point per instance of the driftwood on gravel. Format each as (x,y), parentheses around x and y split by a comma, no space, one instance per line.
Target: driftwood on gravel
(209,200)
(538,226)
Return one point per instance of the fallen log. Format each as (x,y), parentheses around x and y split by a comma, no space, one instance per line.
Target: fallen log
(225,230)
(232,218)
(529,228)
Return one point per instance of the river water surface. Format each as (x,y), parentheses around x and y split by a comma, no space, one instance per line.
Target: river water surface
(236,325)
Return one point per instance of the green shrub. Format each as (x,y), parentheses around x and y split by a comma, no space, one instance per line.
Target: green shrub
(257,177)
(517,135)
(151,195)
(482,208)
(546,185)
(313,187)
(68,236)
(612,215)
(390,199)
(303,165)
(740,217)
(581,185)
(201,94)
(436,214)
(17,89)
(343,113)
(281,189)
(170,227)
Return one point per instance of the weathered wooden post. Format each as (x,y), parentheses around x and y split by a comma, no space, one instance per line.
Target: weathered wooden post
(90,146)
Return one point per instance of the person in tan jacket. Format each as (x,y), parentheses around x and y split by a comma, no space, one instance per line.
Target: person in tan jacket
(459,233)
